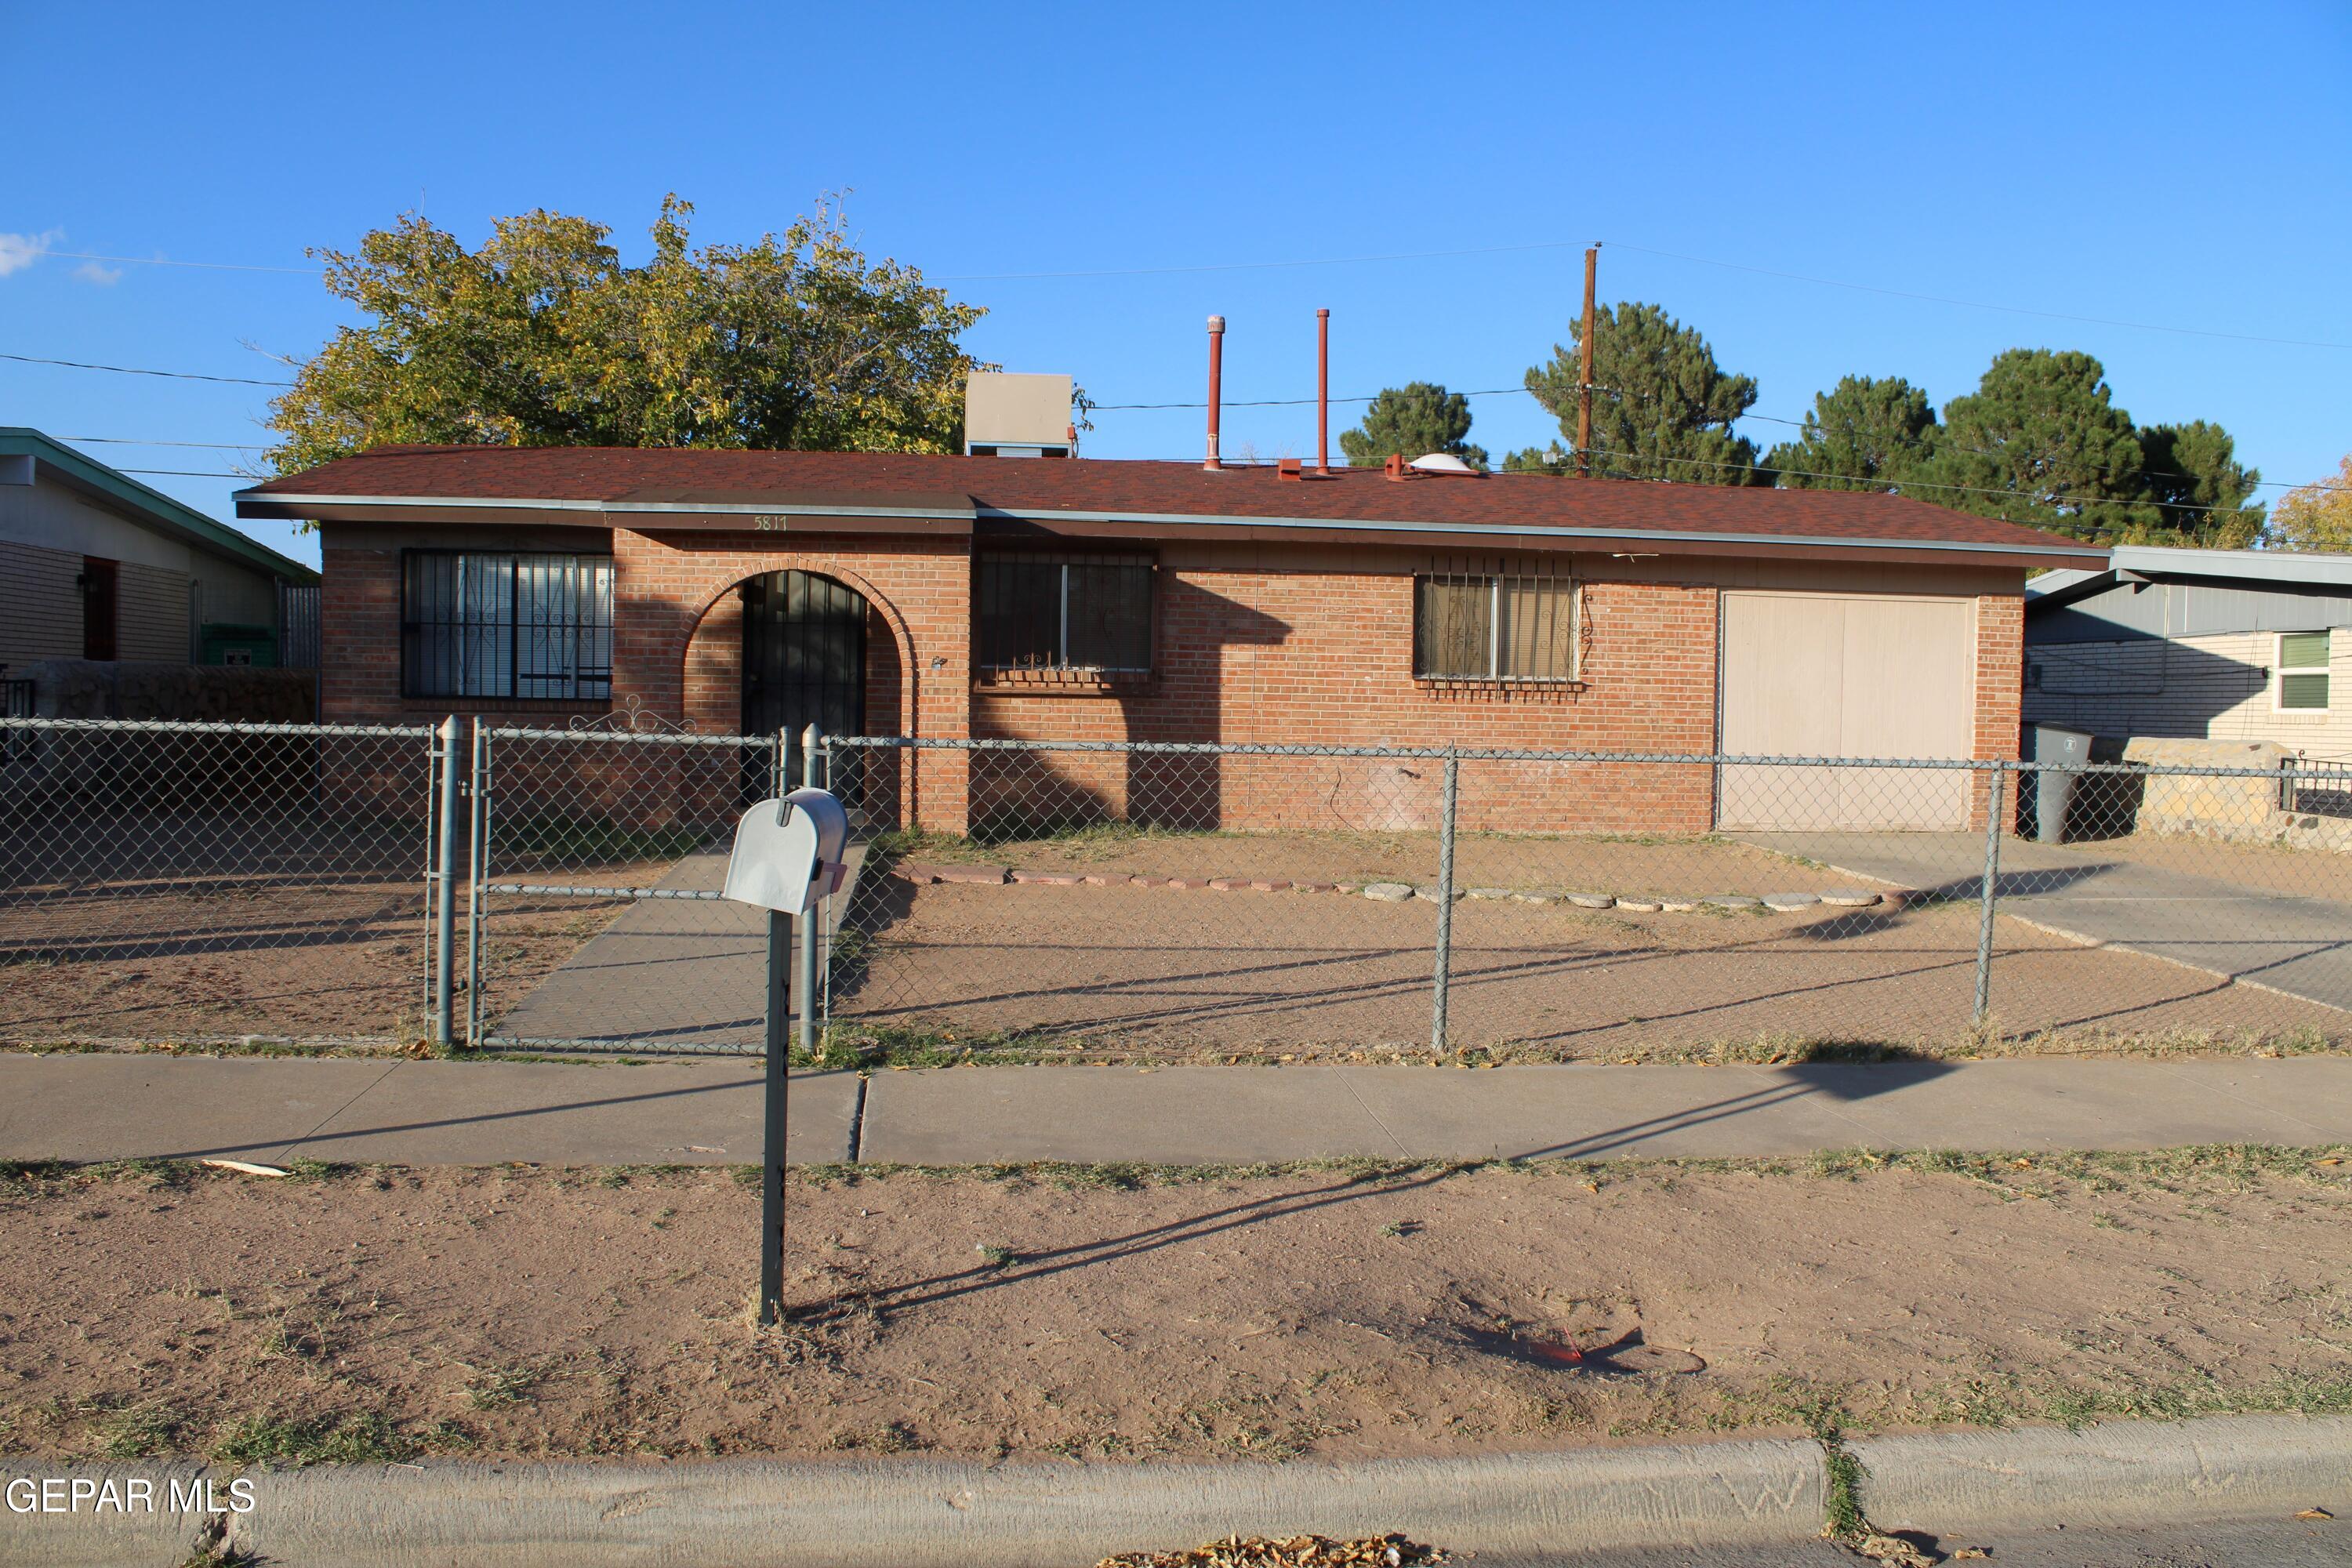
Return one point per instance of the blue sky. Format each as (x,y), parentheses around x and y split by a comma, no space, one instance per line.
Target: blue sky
(2171,164)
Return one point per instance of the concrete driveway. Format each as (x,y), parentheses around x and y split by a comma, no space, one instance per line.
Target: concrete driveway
(2300,946)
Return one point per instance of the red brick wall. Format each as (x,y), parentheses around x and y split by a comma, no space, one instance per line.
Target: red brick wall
(1300,654)
(1284,644)
(2000,691)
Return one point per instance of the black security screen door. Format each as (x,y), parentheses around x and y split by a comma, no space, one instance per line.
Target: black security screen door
(803,658)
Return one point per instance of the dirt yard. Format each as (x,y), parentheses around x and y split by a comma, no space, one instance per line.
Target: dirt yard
(375,1314)
(1167,972)
(335,958)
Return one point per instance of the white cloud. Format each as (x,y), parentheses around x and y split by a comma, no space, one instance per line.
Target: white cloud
(91,272)
(20,250)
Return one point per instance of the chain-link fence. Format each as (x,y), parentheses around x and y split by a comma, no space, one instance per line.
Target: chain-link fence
(178,881)
(1197,902)
(1131,901)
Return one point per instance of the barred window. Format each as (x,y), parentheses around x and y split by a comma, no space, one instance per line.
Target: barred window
(478,623)
(1064,612)
(1490,626)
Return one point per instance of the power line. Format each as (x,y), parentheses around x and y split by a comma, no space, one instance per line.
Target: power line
(947,278)
(1981,304)
(1256,265)
(133,441)
(1768,418)
(1283,402)
(1904,486)
(161,261)
(134,369)
(1405,256)
(189,473)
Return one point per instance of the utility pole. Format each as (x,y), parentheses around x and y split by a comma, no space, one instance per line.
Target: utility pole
(1584,370)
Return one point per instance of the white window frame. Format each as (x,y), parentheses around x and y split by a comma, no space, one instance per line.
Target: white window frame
(2280,671)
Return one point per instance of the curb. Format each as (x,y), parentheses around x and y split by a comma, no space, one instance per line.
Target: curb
(2128,1473)
(923,1514)
(933,1514)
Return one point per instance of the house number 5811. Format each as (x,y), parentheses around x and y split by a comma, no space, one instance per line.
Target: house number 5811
(768,521)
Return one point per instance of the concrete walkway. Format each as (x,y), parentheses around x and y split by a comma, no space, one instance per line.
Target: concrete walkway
(666,972)
(2300,946)
(105,1106)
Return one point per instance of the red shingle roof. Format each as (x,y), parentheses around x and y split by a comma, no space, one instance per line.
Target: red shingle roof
(1139,490)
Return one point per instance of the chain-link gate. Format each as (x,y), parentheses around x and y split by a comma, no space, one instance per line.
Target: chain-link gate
(594,916)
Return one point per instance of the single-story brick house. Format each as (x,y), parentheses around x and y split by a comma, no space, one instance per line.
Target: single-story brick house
(1059,597)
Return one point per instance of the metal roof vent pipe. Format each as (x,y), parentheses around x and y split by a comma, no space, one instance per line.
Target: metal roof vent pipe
(1216,385)
(1291,467)
(1322,395)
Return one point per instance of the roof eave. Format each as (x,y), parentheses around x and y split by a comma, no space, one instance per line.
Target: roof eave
(781,517)
(156,509)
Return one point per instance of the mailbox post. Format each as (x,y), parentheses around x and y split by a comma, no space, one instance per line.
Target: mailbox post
(787,860)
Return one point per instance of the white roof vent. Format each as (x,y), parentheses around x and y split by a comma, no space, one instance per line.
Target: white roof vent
(1440,463)
(1007,415)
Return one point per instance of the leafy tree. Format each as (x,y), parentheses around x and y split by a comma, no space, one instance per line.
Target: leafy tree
(2040,442)
(2198,487)
(1662,407)
(2316,516)
(1416,419)
(1863,434)
(544,337)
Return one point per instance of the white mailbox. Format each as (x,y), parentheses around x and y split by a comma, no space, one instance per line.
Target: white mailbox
(788,852)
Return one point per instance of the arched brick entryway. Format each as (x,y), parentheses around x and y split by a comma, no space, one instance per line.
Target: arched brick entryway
(680,633)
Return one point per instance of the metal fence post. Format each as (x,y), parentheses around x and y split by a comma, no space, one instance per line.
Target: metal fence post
(813,918)
(444,874)
(771,1143)
(477,872)
(1445,901)
(1993,794)
(824,971)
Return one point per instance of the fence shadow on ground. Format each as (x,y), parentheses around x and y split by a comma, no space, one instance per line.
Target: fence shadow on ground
(1838,1082)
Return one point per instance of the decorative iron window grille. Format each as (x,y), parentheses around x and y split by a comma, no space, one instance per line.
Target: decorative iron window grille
(1497,626)
(478,624)
(1087,613)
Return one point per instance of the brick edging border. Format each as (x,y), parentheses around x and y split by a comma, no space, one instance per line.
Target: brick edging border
(1891,900)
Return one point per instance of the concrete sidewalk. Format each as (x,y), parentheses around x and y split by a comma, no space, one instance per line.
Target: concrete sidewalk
(105,1106)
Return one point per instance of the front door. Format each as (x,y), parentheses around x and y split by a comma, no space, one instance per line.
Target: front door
(803,658)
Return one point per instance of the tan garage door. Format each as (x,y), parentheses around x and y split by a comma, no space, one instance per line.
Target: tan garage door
(1836,675)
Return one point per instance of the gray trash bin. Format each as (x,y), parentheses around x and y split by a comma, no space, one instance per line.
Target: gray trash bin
(2053,790)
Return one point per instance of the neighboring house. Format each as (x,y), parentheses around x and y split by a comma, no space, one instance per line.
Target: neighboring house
(2221,645)
(95,565)
(1058,597)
